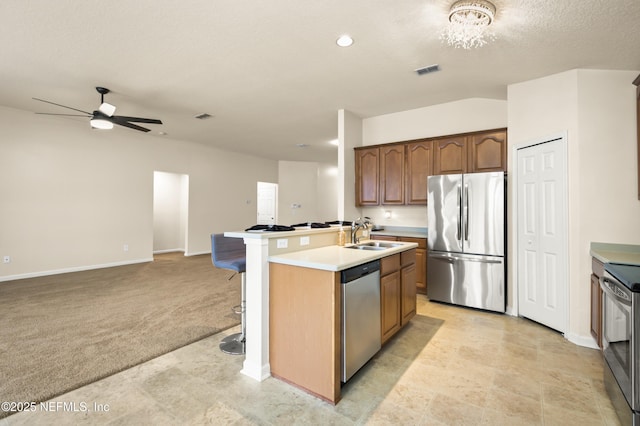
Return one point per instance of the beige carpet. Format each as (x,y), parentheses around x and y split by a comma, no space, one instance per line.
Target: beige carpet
(60,332)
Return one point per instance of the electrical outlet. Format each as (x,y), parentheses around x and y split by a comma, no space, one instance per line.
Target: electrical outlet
(282,243)
(6,259)
(125,247)
(304,241)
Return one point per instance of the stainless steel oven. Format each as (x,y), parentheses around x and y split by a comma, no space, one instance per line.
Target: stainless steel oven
(620,340)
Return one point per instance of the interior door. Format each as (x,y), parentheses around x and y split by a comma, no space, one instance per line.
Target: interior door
(543,234)
(267,203)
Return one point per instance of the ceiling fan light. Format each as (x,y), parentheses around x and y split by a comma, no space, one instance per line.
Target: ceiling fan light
(107,109)
(102,124)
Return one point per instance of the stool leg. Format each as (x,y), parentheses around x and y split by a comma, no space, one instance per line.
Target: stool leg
(234,344)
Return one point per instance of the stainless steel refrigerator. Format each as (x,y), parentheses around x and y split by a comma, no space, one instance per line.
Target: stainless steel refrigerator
(466,229)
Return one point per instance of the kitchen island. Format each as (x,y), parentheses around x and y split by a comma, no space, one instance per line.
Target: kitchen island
(312,249)
(306,310)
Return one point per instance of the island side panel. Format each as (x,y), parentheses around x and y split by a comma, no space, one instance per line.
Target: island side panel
(304,323)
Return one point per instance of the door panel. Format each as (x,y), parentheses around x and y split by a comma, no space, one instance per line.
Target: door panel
(474,281)
(483,219)
(443,213)
(542,234)
(267,203)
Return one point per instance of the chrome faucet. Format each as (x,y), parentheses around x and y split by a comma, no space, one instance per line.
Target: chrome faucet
(357,225)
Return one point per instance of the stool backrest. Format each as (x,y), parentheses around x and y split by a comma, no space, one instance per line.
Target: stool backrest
(228,253)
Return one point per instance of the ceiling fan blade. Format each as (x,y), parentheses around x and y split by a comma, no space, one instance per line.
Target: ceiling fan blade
(107,109)
(68,115)
(117,118)
(131,126)
(63,106)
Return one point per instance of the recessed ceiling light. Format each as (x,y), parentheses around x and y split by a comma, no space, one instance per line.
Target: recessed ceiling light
(344,41)
(162,133)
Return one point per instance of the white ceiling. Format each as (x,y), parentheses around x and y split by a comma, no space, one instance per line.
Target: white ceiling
(270,72)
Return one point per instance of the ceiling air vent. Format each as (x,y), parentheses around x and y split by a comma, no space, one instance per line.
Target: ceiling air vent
(429,69)
(203,116)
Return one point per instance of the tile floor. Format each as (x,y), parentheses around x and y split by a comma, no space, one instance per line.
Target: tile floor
(449,366)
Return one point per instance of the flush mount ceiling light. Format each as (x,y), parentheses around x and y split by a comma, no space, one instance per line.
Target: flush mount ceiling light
(102,124)
(344,41)
(468,24)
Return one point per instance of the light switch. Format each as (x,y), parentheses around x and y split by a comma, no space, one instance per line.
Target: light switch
(304,241)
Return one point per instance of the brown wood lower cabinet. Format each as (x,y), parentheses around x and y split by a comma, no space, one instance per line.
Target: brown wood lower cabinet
(421,258)
(596,300)
(397,292)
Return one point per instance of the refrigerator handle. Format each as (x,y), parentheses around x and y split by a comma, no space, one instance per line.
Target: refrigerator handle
(459,229)
(466,212)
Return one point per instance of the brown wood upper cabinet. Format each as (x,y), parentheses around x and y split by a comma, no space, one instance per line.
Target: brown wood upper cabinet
(637,84)
(474,153)
(367,170)
(488,152)
(419,166)
(396,173)
(392,174)
(450,155)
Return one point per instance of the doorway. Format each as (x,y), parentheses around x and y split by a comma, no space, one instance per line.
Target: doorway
(542,233)
(170,212)
(267,203)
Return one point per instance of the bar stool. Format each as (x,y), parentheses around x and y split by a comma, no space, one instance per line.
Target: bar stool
(230,253)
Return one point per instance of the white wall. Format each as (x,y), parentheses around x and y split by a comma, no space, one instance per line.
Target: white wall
(350,128)
(327,206)
(463,116)
(77,195)
(597,110)
(311,185)
(467,115)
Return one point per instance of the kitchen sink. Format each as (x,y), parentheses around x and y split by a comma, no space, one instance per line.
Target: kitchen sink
(383,244)
(373,245)
(359,247)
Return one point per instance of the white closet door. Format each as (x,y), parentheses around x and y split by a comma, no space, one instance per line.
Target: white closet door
(267,203)
(543,234)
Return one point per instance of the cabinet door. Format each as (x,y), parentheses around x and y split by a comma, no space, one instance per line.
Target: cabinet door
(637,83)
(596,309)
(488,152)
(384,237)
(367,169)
(419,166)
(450,156)
(392,174)
(421,271)
(390,305)
(408,305)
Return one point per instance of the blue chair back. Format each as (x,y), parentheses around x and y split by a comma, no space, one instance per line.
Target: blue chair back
(228,253)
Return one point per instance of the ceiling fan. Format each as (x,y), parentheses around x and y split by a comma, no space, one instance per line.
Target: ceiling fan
(103,117)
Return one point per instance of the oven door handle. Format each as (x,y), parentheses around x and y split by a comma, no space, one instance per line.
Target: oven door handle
(608,287)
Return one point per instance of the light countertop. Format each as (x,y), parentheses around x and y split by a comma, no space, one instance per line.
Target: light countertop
(336,258)
(625,254)
(262,235)
(402,231)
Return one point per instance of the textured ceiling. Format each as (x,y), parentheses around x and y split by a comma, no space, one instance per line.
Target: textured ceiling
(270,72)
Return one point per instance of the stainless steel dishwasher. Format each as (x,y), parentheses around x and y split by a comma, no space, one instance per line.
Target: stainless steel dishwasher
(360,333)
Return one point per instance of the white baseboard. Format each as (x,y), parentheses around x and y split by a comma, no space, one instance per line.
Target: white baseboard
(176,250)
(197,253)
(586,341)
(74,269)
